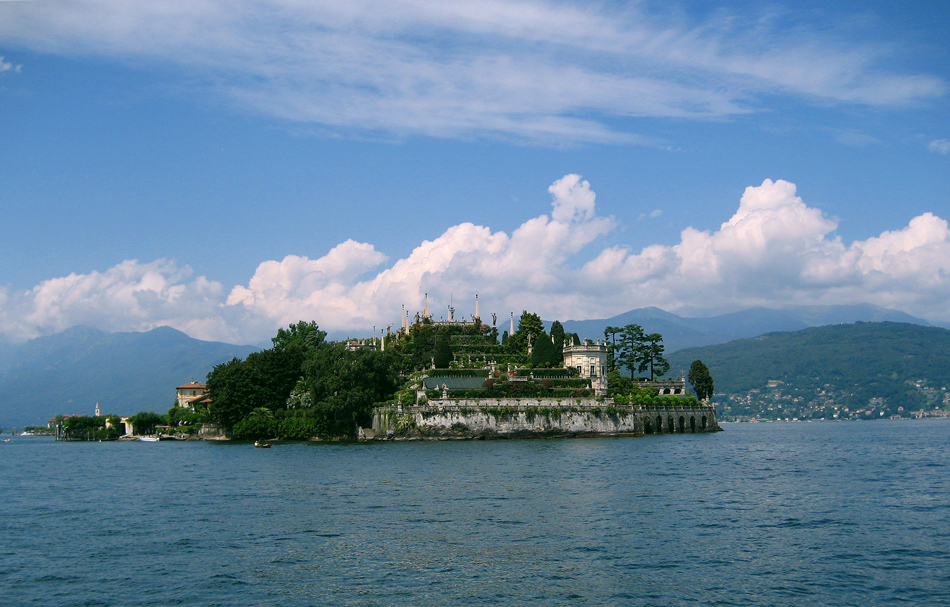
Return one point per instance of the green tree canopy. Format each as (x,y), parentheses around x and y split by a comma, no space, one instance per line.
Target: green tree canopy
(529,324)
(442,355)
(557,338)
(629,349)
(234,392)
(305,335)
(345,384)
(618,384)
(264,379)
(701,380)
(145,422)
(651,356)
(261,413)
(543,353)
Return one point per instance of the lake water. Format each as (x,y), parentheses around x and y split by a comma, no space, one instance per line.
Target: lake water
(846,513)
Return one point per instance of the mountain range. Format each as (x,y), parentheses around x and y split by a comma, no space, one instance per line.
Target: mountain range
(681,332)
(69,372)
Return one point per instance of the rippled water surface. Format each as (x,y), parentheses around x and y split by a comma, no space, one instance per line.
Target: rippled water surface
(761,514)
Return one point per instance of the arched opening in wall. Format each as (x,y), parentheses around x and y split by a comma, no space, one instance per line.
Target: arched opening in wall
(692,424)
(704,422)
(647,426)
(682,424)
(670,424)
(676,391)
(659,424)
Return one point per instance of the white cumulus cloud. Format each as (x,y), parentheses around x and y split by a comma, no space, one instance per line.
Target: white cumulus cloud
(130,296)
(466,259)
(774,251)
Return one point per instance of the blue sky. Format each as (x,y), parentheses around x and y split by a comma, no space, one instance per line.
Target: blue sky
(228,168)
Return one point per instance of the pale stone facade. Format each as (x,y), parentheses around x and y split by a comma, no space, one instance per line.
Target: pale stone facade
(507,417)
(189,393)
(590,360)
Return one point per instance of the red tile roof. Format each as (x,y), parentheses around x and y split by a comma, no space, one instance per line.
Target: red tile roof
(191,386)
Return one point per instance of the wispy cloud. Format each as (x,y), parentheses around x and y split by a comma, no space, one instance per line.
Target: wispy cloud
(940,146)
(6,66)
(531,70)
(775,250)
(856,140)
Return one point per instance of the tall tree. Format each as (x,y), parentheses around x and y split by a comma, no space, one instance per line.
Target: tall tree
(611,332)
(557,338)
(651,356)
(544,354)
(629,348)
(701,380)
(530,324)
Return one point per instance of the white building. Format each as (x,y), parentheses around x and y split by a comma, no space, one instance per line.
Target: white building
(590,360)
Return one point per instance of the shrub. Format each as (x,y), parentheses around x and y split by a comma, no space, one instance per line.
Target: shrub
(298,428)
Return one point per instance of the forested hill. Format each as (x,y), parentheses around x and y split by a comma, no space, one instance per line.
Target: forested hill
(124,372)
(681,332)
(865,369)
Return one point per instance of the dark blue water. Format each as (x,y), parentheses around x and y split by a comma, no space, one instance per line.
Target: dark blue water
(762,514)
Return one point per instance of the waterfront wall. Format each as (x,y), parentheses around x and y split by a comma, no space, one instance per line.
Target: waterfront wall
(511,418)
(210,431)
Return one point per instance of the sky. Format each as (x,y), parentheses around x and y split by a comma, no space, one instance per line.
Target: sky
(228,168)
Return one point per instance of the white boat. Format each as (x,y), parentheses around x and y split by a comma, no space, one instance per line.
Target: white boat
(148,439)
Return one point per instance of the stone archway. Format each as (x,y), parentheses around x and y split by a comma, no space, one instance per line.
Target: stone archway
(692,423)
(647,426)
(682,424)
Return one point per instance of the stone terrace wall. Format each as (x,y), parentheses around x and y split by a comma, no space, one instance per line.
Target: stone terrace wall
(511,418)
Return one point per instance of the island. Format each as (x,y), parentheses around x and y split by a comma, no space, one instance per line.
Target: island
(433,379)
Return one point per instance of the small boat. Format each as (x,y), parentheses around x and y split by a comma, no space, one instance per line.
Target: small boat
(148,439)
(259,445)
